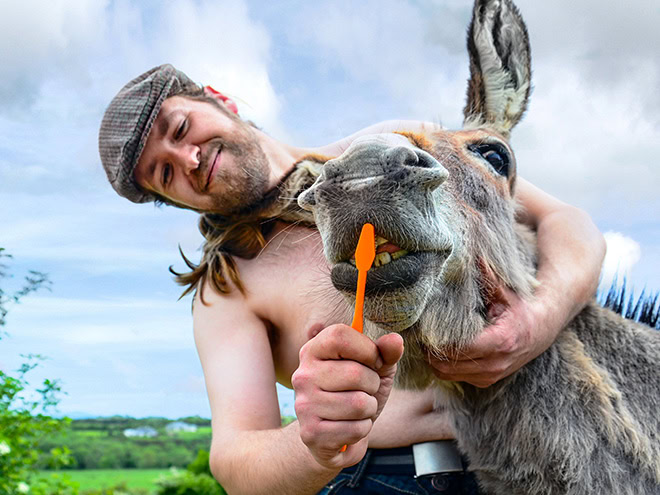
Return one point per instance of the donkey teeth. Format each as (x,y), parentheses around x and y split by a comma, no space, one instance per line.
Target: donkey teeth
(380,241)
(399,254)
(384,258)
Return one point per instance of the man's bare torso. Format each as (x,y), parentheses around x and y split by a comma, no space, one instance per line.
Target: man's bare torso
(288,287)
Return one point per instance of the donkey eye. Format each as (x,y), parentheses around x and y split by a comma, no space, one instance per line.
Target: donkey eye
(495,154)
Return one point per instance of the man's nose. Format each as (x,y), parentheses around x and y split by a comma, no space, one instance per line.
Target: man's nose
(188,156)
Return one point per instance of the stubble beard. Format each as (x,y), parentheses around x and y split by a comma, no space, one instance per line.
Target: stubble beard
(247,181)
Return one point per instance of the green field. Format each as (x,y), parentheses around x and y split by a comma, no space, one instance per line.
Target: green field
(105,478)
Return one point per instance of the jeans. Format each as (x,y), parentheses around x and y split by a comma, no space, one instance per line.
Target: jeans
(363,482)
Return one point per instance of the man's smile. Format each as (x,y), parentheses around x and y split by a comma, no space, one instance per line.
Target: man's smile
(214,165)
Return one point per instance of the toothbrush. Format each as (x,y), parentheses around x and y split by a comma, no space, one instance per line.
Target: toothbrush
(364,258)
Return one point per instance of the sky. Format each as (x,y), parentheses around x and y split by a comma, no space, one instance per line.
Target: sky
(308,73)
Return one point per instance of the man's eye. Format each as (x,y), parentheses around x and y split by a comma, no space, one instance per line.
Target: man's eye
(495,154)
(180,130)
(167,173)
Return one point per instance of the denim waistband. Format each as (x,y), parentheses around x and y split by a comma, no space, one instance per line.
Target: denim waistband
(385,461)
(396,466)
(423,459)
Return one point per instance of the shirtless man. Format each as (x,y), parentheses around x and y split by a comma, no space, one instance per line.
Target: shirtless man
(163,139)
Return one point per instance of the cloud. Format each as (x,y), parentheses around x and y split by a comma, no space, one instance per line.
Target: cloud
(590,146)
(110,323)
(401,48)
(623,253)
(217,43)
(98,235)
(41,40)
(603,42)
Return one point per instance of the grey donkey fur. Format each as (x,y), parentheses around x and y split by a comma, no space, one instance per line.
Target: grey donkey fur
(582,418)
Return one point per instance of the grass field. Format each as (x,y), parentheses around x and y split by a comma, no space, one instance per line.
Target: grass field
(92,433)
(105,478)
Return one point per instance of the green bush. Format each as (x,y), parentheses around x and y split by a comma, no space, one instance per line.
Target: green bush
(201,464)
(23,419)
(119,489)
(102,448)
(188,483)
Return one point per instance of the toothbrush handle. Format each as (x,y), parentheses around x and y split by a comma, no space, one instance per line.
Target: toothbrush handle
(358,317)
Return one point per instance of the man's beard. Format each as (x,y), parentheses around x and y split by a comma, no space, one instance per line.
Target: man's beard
(247,181)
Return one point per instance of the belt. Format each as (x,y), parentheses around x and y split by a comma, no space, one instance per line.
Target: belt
(422,459)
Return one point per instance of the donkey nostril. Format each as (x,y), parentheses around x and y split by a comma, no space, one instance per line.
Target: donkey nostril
(401,156)
(400,175)
(307,199)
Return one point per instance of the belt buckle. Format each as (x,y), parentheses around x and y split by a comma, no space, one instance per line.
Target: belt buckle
(436,457)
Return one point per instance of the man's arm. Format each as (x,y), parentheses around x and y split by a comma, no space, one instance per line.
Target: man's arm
(250,452)
(570,255)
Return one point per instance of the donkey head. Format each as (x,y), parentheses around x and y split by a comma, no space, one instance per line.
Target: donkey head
(442,206)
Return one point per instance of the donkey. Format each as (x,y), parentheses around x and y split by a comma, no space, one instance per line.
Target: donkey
(582,418)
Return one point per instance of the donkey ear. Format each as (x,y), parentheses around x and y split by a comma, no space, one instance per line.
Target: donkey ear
(500,68)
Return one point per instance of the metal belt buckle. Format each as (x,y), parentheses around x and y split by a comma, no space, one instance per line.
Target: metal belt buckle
(436,457)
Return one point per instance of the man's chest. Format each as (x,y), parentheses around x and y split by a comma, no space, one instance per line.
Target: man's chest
(288,286)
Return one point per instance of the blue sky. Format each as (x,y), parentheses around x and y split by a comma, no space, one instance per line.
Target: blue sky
(308,73)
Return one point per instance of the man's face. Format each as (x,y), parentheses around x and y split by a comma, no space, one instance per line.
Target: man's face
(199,157)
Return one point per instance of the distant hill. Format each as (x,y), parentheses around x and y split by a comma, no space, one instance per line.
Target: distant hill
(102,442)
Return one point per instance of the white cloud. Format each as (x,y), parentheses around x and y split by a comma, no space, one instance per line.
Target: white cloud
(41,39)
(591,146)
(216,43)
(623,253)
(190,384)
(400,48)
(97,234)
(138,323)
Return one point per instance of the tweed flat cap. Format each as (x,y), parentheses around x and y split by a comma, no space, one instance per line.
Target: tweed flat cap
(128,121)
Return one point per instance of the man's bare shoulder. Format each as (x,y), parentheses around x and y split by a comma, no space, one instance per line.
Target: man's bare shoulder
(213,311)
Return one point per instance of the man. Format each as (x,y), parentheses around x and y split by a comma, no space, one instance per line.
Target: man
(259,319)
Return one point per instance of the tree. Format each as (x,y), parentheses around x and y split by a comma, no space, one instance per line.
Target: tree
(24,421)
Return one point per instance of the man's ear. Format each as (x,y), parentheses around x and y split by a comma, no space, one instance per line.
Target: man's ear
(228,102)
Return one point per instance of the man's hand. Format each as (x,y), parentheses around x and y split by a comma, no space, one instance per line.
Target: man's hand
(342,384)
(570,253)
(518,335)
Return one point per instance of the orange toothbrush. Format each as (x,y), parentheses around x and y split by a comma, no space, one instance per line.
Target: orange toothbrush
(364,258)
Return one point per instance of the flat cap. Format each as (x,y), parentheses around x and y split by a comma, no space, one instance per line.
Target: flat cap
(128,121)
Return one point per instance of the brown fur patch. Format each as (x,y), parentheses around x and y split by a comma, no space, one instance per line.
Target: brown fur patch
(418,139)
(618,425)
(314,157)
